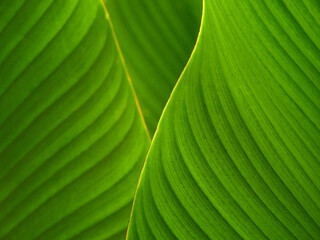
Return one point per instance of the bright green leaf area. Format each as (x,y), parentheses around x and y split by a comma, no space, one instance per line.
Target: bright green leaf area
(72,141)
(236,154)
(156,38)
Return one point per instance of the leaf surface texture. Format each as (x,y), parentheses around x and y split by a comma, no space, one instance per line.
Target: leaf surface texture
(236,154)
(156,38)
(72,140)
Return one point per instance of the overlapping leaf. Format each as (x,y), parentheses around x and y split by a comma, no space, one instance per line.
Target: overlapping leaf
(236,154)
(156,38)
(72,141)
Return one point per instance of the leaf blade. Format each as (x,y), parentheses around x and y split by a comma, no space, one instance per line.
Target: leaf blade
(229,158)
(72,138)
(156,40)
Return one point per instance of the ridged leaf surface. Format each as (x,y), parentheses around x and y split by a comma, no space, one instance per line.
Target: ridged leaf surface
(72,141)
(156,38)
(237,151)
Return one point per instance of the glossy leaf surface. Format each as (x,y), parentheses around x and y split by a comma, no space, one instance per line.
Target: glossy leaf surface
(236,154)
(72,141)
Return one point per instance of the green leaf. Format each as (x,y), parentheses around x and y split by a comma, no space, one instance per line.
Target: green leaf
(72,141)
(156,38)
(236,154)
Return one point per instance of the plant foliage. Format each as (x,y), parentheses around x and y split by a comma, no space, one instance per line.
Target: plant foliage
(72,139)
(235,154)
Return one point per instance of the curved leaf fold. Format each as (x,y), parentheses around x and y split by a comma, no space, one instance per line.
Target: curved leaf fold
(72,141)
(237,151)
(156,38)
